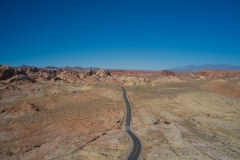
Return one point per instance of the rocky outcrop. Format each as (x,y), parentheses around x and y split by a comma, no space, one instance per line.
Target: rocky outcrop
(69,76)
(33,72)
(32,69)
(16,112)
(59,71)
(47,74)
(57,80)
(103,73)
(89,72)
(168,73)
(7,72)
(86,73)
(82,75)
(19,78)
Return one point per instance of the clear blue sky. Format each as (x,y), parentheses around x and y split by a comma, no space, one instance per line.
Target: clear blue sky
(127,34)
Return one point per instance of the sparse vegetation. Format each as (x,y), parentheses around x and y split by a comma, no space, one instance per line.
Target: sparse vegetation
(78,115)
(190,113)
(184,120)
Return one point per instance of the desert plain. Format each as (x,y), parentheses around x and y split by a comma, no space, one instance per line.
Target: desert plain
(69,114)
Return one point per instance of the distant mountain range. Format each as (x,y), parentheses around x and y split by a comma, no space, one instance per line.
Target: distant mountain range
(196,68)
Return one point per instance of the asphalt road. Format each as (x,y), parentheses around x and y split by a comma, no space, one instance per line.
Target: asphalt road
(136,143)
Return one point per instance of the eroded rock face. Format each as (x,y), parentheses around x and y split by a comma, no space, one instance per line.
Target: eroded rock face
(33,72)
(47,74)
(32,69)
(86,73)
(19,78)
(69,76)
(7,72)
(103,73)
(90,72)
(59,71)
(168,73)
(16,112)
(82,75)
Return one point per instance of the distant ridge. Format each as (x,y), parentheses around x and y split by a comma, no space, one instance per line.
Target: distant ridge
(196,68)
(77,68)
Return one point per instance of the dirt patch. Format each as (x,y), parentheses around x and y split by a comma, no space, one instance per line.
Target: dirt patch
(228,88)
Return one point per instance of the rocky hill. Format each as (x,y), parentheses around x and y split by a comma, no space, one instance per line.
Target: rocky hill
(8,72)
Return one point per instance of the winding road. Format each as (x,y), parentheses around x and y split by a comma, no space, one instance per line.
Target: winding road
(136,142)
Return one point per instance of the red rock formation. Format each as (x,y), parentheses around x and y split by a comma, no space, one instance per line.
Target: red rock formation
(168,73)
(19,78)
(69,76)
(47,74)
(8,72)
(90,72)
(103,73)
(59,71)
(84,74)
(32,72)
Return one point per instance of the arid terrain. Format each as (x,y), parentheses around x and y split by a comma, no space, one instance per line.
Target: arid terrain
(72,115)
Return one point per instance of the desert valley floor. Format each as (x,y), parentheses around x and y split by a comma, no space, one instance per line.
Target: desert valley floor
(74,116)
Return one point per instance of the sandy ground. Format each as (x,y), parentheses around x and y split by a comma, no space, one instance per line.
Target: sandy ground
(72,122)
(183,121)
(174,119)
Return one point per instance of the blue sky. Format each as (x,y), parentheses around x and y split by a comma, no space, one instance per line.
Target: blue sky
(127,34)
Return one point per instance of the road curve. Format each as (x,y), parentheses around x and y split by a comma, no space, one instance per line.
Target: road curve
(136,143)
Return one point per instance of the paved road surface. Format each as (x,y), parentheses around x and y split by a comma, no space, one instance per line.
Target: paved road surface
(136,143)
